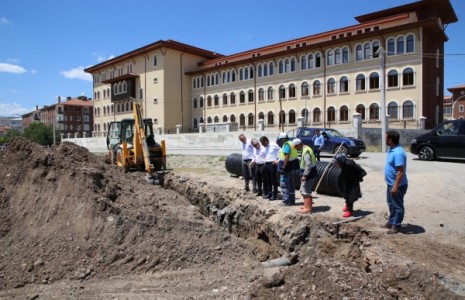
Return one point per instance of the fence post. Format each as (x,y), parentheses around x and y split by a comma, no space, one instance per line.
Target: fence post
(178,129)
(422,123)
(201,128)
(300,121)
(261,125)
(357,124)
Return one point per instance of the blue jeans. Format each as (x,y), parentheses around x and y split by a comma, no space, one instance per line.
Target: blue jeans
(396,204)
(287,184)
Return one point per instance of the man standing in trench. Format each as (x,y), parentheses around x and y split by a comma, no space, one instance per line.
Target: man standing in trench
(247,156)
(288,166)
(395,174)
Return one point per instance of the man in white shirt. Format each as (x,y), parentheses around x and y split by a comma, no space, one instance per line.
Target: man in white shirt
(259,163)
(247,155)
(270,188)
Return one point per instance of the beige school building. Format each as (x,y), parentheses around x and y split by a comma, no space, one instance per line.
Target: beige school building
(321,80)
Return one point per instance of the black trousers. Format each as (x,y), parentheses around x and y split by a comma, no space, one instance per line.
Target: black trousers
(260,177)
(271,179)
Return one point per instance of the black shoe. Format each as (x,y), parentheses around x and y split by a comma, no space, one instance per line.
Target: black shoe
(386,226)
(247,189)
(259,194)
(394,229)
(254,191)
(288,203)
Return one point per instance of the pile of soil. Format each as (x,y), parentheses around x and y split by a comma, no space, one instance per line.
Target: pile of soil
(72,226)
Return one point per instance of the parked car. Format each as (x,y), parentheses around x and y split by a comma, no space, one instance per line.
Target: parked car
(333,139)
(445,141)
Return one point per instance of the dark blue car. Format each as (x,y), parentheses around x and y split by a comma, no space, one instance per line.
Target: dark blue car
(333,140)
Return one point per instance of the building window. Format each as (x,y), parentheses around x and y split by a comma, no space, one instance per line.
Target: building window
(400,45)
(225,119)
(374,81)
(261,116)
(155,60)
(407,110)
(331,86)
(232,118)
(316,87)
(291,90)
(410,44)
(209,120)
(292,116)
(316,115)
(270,93)
(360,82)
(305,115)
(374,111)
(337,56)
(311,62)
(216,119)
(194,103)
(216,100)
(344,85)
(367,51)
(358,53)
(250,119)
(250,96)
(282,117)
(407,77)
(331,114)
(392,110)
(391,47)
(375,49)
(344,113)
(282,92)
(233,99)
(225,99)
(461,108)
(261,94)
(361,110)
(241,97)
(318,60)
(270,118)
(304,89)
(303,62)
(293,64)
(329,58)
(260,71)
(195,124)
(201,102)
(345,55)
(209,101)
(271,69)
(141,93)
(265,70)
(393,78)
(281,67)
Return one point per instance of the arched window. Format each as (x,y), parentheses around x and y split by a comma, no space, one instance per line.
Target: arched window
(233,76)
(400,45)
(216,100)
(344,113)
(407,109)
(233,98)
(246,73)
(311,62)
(261,94)
(216,119)
(265,70)
(282,92)
(343,85)
(241,97)
(209,120)
(393,110)
(282,117)
(223,75)
(393,78)
(304,89)
(360,82)
(270,93)
(303,62)
(374,111)
(330,58)
(209,101)
(367,51)
(337,56)
(361,110)
(194,103)
(375,48)
(250,119)
(201,120)
(281,67)
(201,102)
(217,79)
(345,55)
(250,96)
(195,124)
(232,118)
(410,44)
(317,60)
(408,77)
(104,110)
(358,53)
(391,46)
(316,87)
(127,106)
(261,116)
(292,90)
(271,68)
(260,70)
(293,64)
(287,66)
(241,74)
(374,81)
(316,115)
(225,99)
(331,86)
(292,116)
(270,118)
(331,114)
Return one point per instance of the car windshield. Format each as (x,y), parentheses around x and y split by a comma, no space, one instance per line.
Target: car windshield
(334,133)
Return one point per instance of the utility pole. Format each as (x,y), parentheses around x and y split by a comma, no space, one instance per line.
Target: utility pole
(382,86)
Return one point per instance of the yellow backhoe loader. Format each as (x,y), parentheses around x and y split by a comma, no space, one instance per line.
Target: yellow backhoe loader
(131,145)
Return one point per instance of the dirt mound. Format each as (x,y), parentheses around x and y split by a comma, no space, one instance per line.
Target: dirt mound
(67,214)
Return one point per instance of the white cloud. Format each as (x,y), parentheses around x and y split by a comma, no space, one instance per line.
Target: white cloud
(3,21)
(101,58)
(77,73)
(12,109)
(33,71)
(10,68)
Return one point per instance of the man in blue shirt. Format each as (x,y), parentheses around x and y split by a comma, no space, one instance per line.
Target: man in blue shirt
(318,142)
(395,174)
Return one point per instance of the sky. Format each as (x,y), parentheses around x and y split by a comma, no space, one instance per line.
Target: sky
(45,45)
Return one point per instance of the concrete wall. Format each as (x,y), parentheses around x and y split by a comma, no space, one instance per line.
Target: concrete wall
(372,136)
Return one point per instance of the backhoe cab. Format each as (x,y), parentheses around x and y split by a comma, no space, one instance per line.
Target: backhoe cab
(131,145)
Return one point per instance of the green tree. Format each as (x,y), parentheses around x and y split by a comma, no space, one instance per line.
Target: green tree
(11,134)
(39,133)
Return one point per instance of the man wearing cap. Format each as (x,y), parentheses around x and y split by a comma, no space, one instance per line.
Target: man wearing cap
(247,155)
(288,166)
(307,174)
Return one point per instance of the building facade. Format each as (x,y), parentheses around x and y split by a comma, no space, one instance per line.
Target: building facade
(395,54)
(457,102)
(72,116)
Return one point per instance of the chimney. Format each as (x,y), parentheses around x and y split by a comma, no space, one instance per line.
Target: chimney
(68,98)
(37,107)
(58,99)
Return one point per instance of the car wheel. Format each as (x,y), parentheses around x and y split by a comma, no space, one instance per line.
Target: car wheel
(426,153)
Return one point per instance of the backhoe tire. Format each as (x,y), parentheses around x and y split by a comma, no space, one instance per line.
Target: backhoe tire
(120,161)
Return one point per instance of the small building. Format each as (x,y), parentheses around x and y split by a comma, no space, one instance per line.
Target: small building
(457,102)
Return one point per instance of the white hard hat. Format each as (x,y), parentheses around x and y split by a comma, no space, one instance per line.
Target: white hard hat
(296,142)
(282,135)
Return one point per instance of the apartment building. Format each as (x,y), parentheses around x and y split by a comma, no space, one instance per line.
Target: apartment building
(72,116)
(457,102)
(394,54)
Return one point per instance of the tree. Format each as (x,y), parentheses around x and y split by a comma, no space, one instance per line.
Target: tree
(10,134)
(39,133)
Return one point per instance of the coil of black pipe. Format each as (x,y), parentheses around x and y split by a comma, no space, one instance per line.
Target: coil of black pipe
(331,184)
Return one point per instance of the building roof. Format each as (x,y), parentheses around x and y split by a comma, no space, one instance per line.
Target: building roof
(157,45)
(77,102)
(459,87)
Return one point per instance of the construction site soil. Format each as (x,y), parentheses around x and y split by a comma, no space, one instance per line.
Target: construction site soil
(72,226)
